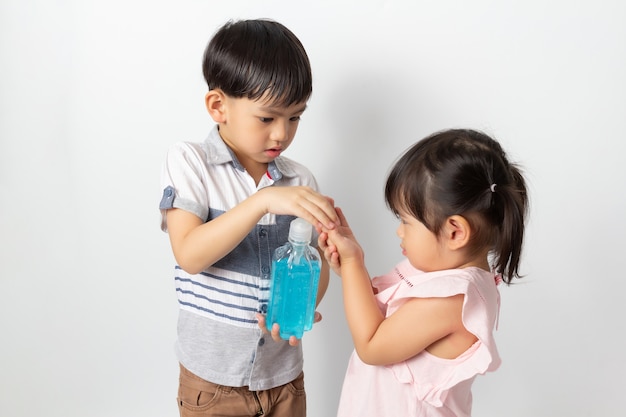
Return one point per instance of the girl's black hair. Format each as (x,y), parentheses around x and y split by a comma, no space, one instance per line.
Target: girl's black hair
(464,172)
(249,58)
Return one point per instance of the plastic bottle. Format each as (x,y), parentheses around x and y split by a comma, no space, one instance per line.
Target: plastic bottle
(294,281)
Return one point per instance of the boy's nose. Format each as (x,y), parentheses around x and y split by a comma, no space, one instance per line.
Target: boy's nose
(280,132)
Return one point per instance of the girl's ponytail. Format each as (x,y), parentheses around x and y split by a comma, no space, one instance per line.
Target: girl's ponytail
(513,201)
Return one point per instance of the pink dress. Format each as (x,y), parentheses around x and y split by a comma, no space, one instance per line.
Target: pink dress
(425,385)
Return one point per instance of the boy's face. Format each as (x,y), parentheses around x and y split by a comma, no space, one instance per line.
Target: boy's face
(258,131)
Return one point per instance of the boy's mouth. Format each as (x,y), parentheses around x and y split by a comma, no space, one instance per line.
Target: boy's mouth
(274,152)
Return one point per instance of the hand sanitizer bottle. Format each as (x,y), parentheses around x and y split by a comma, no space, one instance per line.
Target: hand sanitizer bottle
(294,281)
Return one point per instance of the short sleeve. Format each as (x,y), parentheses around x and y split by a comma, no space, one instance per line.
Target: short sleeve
(182,181)
(480,310)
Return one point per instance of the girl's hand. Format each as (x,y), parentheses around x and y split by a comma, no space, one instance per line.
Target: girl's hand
(339,244)
(330,252)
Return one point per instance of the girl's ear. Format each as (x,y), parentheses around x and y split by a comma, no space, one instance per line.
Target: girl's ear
(214,101)
(457,232)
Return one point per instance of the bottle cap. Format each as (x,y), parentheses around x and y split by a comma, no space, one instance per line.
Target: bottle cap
(300,230)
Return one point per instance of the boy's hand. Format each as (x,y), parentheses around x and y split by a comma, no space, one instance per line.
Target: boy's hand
(275,333)
(302,202)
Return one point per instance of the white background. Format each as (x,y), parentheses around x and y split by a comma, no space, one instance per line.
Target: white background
(92,93)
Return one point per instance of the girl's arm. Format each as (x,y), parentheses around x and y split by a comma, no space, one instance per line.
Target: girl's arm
(421,323)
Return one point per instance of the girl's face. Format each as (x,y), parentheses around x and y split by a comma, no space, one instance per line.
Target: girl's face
(421,246)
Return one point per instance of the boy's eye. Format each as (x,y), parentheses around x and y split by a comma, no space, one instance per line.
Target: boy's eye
(295,119)
(266,119)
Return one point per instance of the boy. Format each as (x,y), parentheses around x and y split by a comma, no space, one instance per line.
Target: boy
(227,204)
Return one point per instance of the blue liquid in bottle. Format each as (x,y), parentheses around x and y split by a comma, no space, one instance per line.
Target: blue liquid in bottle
(294,281)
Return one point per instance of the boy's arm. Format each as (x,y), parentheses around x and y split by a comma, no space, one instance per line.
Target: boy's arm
(197,245)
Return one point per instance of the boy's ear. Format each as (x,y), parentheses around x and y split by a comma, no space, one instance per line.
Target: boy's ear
(457,232)
(214,101)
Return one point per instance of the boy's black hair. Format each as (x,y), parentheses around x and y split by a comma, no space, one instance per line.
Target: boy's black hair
(464,172)
(252,58)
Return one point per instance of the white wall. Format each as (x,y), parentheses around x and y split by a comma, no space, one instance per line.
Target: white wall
(92,93)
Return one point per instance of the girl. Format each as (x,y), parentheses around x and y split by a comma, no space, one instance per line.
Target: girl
(423,331)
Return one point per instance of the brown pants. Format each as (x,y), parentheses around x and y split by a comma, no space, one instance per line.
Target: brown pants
(200,398)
